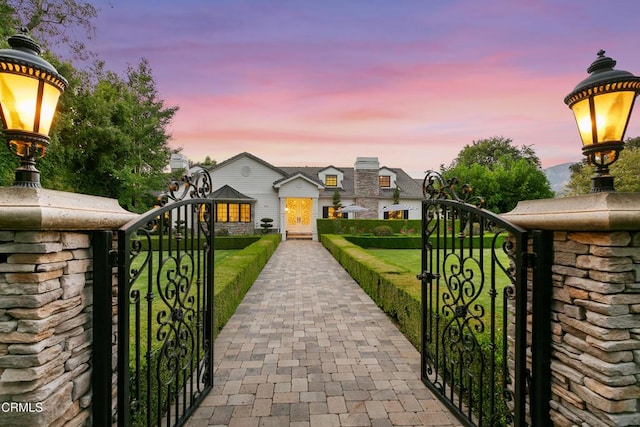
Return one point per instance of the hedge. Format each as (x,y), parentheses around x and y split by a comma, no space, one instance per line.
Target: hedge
(394,290)
(412,242)
(345,226)
(234,276)
(219,242)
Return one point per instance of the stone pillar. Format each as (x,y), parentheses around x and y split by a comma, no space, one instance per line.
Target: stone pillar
(366,186)
(46,292)
(595,320)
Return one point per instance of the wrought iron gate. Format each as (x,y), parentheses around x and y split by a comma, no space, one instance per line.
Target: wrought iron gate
(165,307)
(475,296)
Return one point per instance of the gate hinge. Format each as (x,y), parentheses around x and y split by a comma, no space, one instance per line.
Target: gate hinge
(113,258)
(529,259)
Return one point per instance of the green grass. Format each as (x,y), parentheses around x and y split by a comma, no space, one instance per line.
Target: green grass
(158,304)
(410,260)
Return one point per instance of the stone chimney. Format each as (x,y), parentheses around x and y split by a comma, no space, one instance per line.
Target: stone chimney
(367,185)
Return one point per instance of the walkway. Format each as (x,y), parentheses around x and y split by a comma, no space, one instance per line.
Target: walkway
(307,347)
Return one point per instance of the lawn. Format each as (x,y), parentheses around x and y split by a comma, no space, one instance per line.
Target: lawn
(411,259)
(159,305)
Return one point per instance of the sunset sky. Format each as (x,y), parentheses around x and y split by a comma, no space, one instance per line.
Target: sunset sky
(320,82)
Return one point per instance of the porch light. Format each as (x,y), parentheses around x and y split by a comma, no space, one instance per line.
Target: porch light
(602,105)
(29,92)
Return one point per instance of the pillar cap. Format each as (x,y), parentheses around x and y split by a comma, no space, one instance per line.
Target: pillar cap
(590,212)
(41,209)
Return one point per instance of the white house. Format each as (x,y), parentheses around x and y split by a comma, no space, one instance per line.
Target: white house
(247,189)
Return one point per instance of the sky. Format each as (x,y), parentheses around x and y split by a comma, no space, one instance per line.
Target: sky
(321,82)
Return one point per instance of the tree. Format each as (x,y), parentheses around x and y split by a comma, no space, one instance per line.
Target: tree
(114,137)
(501,173)
(625,171)
(488,152)
(337,203)
(57,22)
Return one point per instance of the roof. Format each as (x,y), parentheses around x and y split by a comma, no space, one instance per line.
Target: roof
(409,188)
(250,156)
(228,193)
(314,180)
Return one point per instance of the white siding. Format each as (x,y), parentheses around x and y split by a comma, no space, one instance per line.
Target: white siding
(255,180)
(299,187)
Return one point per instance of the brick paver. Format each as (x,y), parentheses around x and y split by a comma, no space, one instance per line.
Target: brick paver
(308,348)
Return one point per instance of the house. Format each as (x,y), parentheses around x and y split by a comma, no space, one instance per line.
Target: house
(247,189)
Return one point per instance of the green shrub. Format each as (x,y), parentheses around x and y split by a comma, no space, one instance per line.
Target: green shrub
(383,230)
(219,242)
(343,226)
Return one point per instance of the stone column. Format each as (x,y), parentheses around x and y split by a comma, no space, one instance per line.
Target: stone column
(46,292)
(366,186)
(595,320)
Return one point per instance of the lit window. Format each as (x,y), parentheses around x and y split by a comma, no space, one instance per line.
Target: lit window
(245,212)
(385,181)
(331,180)
(221,212)
(233,212)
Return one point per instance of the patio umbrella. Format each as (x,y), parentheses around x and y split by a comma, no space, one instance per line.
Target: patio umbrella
(352,208)
(398,207)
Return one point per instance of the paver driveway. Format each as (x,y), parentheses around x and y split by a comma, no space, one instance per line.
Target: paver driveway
(307,347)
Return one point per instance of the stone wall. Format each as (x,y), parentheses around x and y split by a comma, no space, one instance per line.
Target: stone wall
(596,329)
(45,328)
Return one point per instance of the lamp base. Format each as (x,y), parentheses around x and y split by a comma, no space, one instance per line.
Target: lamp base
(602,184)
(27,176)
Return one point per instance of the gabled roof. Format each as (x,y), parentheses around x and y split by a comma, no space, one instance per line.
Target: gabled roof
(330,167)
(252,157)
(228,193)
(279,183)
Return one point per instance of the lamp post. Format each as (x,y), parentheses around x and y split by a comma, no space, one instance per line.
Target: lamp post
(29,92)
(602,105)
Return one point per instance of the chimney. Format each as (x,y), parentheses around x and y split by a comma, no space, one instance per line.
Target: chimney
(367,185)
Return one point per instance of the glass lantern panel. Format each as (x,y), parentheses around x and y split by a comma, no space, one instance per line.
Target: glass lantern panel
(18,96)
(49,102)
(612,114)
(583,119)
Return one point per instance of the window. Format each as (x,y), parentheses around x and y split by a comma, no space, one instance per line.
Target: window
(233,212)
(330,212)
(385,181)
(331,180)
(245,212)
(397,215)
(221,212)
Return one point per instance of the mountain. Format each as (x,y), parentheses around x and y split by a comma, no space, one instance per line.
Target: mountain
(558,176)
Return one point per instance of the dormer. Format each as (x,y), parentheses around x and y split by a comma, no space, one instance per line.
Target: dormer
(387,178)
(331,177)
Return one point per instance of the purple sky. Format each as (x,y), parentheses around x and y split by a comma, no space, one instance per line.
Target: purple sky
(320,82)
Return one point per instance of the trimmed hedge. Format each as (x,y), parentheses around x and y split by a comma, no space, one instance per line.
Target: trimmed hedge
(219,242)
(394,290)
(411,242)
(343,226)
(234,276)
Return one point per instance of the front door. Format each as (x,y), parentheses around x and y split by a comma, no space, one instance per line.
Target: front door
(298,211)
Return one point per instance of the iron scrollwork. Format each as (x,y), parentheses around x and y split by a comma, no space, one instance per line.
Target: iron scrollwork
(465,348)
(436,187)
(169,255)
